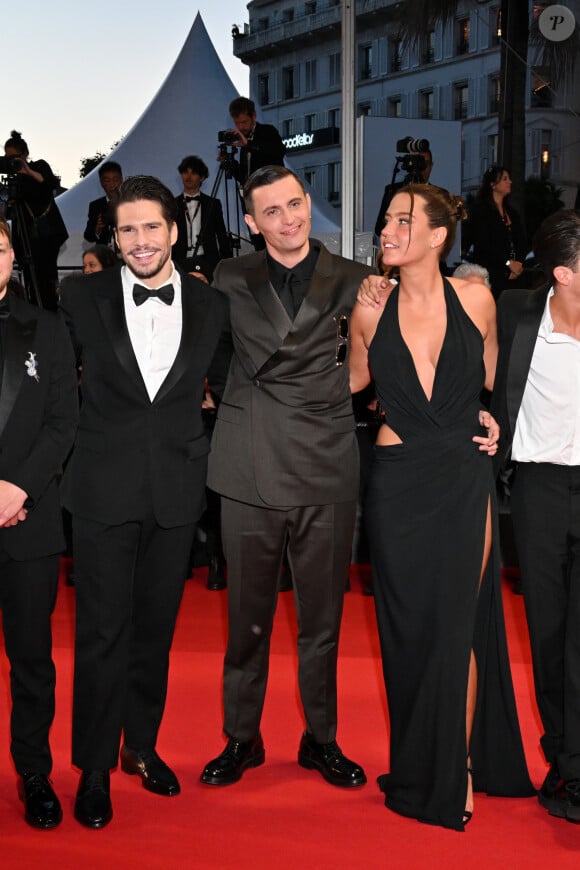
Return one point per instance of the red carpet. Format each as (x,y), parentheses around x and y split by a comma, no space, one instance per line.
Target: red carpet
(279,815)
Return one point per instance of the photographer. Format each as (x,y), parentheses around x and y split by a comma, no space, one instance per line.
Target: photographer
(39,229)
(417,161)
(259,144)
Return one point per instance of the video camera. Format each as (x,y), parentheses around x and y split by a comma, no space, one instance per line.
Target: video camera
(228,137)
(10,165)
(411,160)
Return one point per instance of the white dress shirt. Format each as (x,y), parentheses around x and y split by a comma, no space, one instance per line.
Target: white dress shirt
(154,330)
(548,423)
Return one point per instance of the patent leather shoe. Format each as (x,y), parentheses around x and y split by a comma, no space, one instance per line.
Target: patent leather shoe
(155,775)
(228,767)
(93,803)
(552,794)
(41,805)
(573,801)
(329,760)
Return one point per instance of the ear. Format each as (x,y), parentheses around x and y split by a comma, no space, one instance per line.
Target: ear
(438,237)
(252,224)
(562,275)
(173,232)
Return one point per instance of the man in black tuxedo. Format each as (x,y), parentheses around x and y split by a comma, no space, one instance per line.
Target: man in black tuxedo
(260,144)
(285,461)
(146,336)
(537,404)
(100,227)
(202,239)
(38,418)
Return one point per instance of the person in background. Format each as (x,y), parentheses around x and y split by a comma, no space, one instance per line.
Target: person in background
(100,226)
(493,235)
(202,239)
(97,258)
(38,227)
(474,273)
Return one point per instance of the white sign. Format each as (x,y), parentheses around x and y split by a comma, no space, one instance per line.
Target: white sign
(300,139)
(557,23)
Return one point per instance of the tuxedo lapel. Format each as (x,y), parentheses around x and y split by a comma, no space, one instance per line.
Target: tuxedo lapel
(261,289)
(524,342)
(19,336)
(192,319)
(109,302)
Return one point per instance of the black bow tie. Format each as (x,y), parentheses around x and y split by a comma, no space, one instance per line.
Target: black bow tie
(4,308)
(142,294)
(191,198)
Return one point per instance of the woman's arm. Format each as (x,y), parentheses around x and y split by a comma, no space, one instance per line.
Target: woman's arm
(363,325)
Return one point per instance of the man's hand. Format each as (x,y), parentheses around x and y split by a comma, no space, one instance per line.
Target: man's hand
(369,291)
(516,268)
(488,444)
(12,499)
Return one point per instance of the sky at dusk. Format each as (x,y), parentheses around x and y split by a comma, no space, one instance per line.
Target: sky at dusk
(78,75)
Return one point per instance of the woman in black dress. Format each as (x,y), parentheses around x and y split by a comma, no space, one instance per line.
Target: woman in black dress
(431,347)
(493,235)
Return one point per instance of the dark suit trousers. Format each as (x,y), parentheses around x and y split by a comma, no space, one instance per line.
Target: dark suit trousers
(27,598)
(129,584)
(319,548)
(545,507)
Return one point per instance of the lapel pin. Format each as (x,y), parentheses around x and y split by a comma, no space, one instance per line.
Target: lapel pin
(31,366)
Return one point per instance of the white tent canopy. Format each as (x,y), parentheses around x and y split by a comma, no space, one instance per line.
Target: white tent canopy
(183,118)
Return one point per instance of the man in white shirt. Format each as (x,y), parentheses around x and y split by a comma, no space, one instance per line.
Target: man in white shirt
(146,336)
(536,400)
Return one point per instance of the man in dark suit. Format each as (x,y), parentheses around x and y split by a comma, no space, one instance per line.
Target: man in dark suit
(100,227)
(537,404)
(285,461)
(38,417)
(146,336)
(260,144)
(202,239)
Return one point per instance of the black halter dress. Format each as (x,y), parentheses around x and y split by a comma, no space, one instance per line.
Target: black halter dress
(427,503)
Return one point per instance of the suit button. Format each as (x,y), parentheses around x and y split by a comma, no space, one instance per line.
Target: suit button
(256,382)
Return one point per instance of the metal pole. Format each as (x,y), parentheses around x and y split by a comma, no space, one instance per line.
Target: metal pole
(348,40)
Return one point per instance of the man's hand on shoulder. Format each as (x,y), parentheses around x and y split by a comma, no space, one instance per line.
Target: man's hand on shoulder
(373,291)
(12,499)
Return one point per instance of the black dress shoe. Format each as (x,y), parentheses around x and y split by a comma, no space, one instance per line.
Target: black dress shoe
(573,801)
(93,803)
(41,805)
(216,577)
(328,759)
(236,757)
(155,775)
(552,794)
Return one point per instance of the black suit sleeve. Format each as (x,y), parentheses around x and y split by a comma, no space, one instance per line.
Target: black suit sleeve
(217,374)
(56,435)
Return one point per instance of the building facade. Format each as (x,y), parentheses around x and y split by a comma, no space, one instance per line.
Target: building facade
(293,50)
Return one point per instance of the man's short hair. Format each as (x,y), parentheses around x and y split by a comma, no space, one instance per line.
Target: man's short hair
(138,187)
(5,230)
(196,165)
(466,270)
(557,241)
(110,166)
(242,106)
(263,177)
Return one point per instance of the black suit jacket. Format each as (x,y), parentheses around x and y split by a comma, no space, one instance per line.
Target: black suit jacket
(519,313)
(285,431)
(265,149)
(127,445)
(38,419)
(98,207)
(214,238)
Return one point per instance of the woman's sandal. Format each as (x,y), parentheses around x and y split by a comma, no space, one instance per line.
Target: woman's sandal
(468,814)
